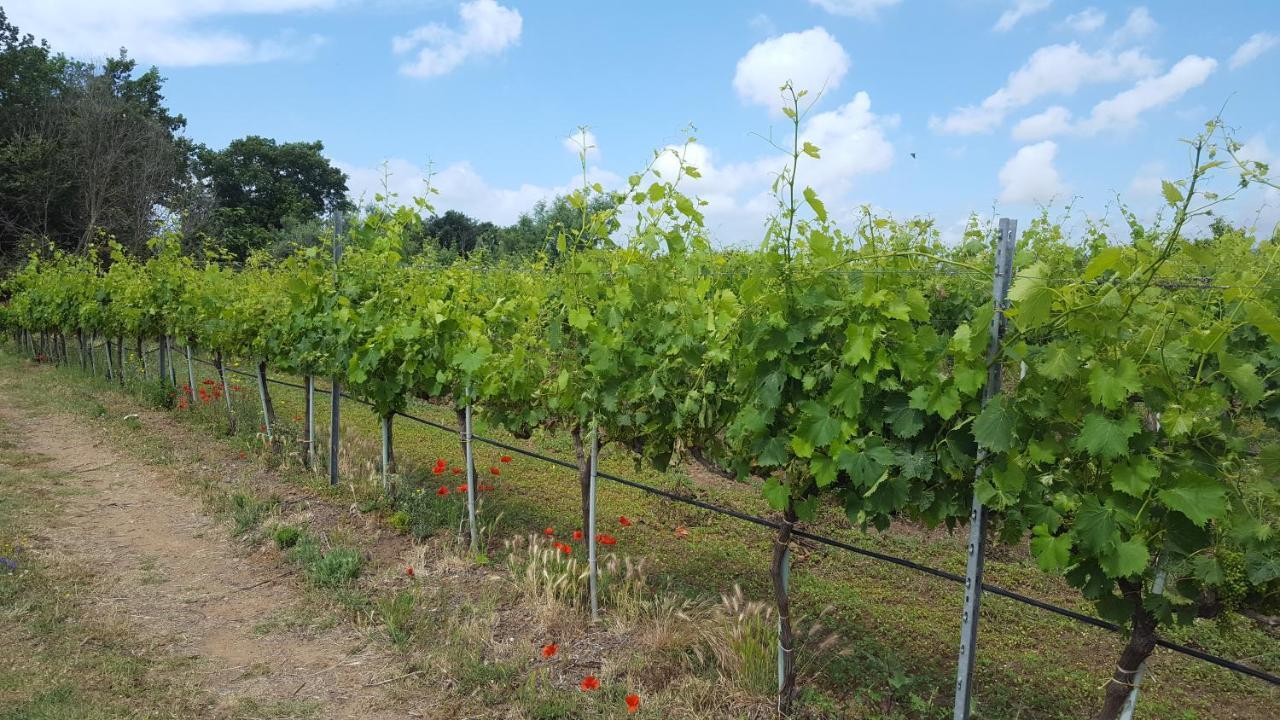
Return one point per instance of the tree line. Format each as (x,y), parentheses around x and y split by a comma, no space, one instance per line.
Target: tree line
(91,152)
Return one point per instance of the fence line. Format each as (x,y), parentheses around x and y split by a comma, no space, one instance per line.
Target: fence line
(823,540)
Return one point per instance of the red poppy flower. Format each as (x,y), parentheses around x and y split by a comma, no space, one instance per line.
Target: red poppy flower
(494,471)
(506,458)
(577,534)
(606,539)
(443,490)
(623,521)
(409,571)
(633,702)
(440,462)
(457,471)
(243,455)
(437,470)
(550,650)
(590,683)
(566,549)
(486,488)
(557,545)
(462,489)
(549,532)
(207,381)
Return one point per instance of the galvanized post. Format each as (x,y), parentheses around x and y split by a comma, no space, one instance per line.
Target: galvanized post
(191,377)
(262,397)
(1005,247)
(386,454)
(782,650)
(471,475)
(309,442)
(593,580)
(335,400)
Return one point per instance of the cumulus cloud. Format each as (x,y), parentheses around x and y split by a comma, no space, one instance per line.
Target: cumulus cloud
(461,187)
(812,60)
(1051,70)
(1124,109)
(1021,9)
(1029,177)
(485,28)
(1138,26)
(1053,121)
(1086,21)
(580,141)
(1252,49)
(166,32)
(865,9)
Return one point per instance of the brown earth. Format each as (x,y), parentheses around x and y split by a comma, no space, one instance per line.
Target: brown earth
(189,590)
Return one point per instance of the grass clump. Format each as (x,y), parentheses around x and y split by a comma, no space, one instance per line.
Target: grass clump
(286,536)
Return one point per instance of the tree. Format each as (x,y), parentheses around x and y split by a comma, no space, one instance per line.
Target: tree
(536,231)
(259,185)
(460,233)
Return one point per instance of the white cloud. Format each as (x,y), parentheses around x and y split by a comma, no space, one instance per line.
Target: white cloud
(1053,121)
(1145,187)
(1252,49)
(762,23)
(165,32)
(865,9)
(1086,21)
(1138,26)
(1124,109)
(1029,177)
(579,141)
(1021,9)
(486,28)
(812,60)
(1051,70)
(460,186)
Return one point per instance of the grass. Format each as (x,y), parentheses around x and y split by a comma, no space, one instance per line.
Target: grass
(898,628)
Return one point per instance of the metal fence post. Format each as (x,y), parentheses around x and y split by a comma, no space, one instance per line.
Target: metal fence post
(471,475)
(309,446)
(1005,247)
(265,400)
(386,453)
(593,581)
(191,377)
(335,413)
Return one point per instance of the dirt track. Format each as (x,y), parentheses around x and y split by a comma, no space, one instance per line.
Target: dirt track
(175,575)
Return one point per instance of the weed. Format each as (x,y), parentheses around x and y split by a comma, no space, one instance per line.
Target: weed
(397,616)
(286,536)
(335,568)
(247,511)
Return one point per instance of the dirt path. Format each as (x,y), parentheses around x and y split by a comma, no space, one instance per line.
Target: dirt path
(174,574)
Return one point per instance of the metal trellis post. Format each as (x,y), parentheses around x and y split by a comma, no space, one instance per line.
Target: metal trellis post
(262,397)
(309,448)
(1005,247)
(593,579)
(191,378)
(386,454)
(471,475)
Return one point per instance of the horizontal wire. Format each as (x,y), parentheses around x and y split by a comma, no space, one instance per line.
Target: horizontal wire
(822,539)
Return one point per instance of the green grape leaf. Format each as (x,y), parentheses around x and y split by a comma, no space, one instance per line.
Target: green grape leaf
(1134,476)
(993,428)
(1110,386)
(1032,296)
(1103,437)
(1126,559)
(1052,552)
(1199,498)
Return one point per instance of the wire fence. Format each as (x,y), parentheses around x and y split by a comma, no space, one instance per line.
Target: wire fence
(1093,621)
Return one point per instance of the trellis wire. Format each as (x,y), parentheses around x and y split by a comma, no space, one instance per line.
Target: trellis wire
(1083,618)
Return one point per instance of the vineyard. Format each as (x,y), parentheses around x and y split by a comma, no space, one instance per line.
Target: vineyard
(1110,403)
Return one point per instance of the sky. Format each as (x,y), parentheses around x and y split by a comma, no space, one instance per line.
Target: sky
(937,108)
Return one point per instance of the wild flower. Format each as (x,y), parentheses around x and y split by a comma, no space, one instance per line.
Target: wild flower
(506,458)
(494,471)
(549,532)
(606,539)
(577,535)
(633,703)
(590,683)
(409,571)
(549,650)
(623,521)
(442,491)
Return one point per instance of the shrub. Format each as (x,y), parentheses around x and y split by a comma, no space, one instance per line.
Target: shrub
(286,536)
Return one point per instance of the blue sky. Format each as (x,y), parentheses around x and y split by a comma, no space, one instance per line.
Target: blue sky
(1007,104)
